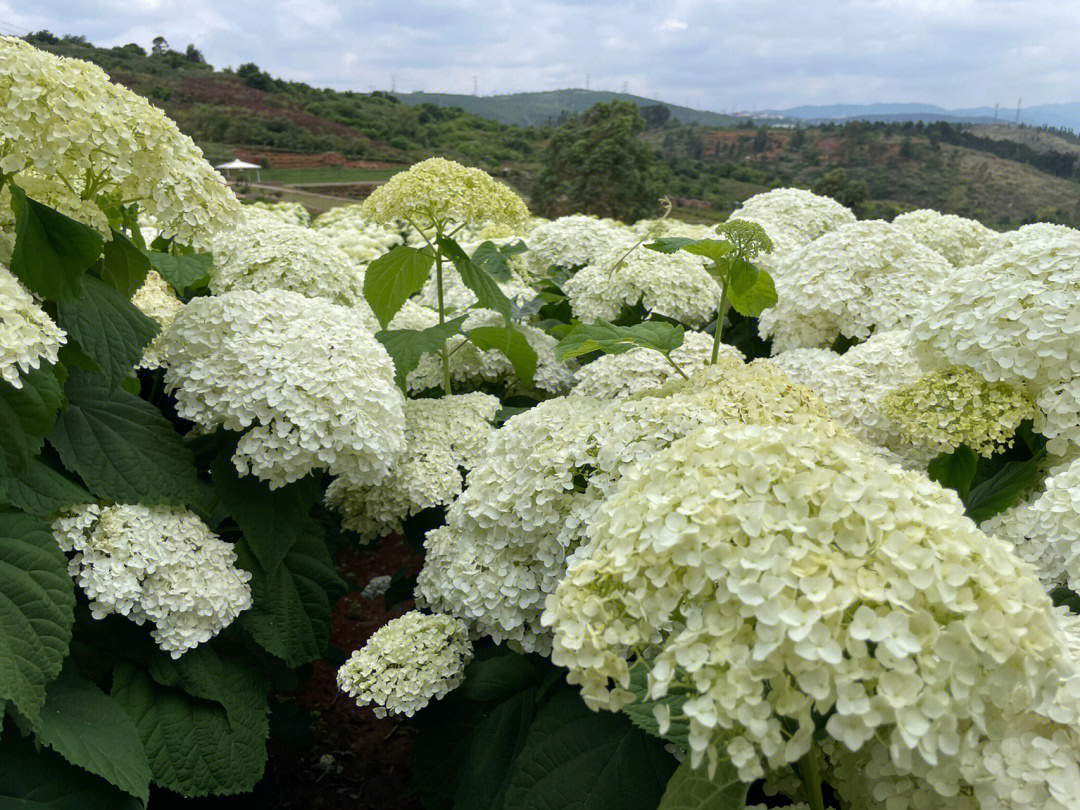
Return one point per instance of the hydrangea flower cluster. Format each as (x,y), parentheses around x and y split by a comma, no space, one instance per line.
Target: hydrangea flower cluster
(780,576)
(854,384)
(1035,232)
(64,120)
(1013,318)
(27,334)
(155,563)
(304,378)
(267,254)
(407,663)
(527,505)
(156,299)
(672,285)
(859,278)
(620,375)
(443,438)
(470,367)
(361,239)
(440,190)
(793,218)
(958,239)
(575,241)
(290,213)
(949,407)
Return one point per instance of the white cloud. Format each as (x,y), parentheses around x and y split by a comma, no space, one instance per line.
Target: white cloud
(673,25)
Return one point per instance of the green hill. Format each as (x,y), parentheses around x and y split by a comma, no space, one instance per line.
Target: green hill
(549,108)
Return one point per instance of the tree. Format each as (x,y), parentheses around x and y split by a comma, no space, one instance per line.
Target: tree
(656,115)
(597,164)
(835,183)
(193,54)
(160,46)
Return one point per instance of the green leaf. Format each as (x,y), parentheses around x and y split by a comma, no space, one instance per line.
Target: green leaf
(670,244)
(511,343)
(184,273)
(1004,489)
(37,609)
(495,260)
(391,279)
(110,329)
(490,751)
(488,293)
(292,606)
(691,789)
(641,712)
(123,265)
(955,470)
(41,491)
(407,346)
(750,290)
(39,779)
(574,757)
(270,520)
(52,251)
(610,339)
(27,414)
(90,729)
(711,249)
(496,674)
(202,719)
(121,446)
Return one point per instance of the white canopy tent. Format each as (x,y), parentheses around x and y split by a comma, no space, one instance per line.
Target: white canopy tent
(239,166)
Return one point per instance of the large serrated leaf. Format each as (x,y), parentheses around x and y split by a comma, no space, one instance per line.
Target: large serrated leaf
(202,720)
(292,607)
(41,491)
(123,265)
(494,259)
(37,610)
(488,293)
(407,346)
(955,470)
(391,279)
(52,251)
(271,521)
(602,336)
(691,789)
(512,343)
(1004,489)
(750,290)
(184,273)
(574,757)
(641,711)
(110,329)
(670,244)
(121,446)
(39,779)
(90,729)
(27,414)
(491,748)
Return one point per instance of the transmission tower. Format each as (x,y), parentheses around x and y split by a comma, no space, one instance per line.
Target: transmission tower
(393,82)
(475,91)
(1018,110)
(586,81)
(996,105)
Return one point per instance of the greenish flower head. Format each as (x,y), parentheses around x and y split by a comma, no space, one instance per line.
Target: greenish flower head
(438,191)
(953,406)
(749,238)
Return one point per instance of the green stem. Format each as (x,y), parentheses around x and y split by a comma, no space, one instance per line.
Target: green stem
(719,330)
(811,778)
(442,319)
(675,366)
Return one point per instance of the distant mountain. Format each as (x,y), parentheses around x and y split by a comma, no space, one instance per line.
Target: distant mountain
(1047,115)
(540,109)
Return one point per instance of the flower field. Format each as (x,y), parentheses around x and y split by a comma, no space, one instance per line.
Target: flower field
(780,513)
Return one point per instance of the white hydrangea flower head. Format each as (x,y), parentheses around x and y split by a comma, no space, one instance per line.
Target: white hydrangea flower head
(779,575)
(1053,520)
(619,375)
(528,503)
(305,378)
(440,190)
(361,239)
(673,285)
(958,239)
(863,277)
(1036,233)
(949,407)
(443,437)
(1057,415)
(470,367)
(290,213)
(155,563)
(267,254)
(407,663)
(65,119)
(156,299)
(1016,525)
(27,334)
(853,385)
(1012,318)
(810,215)
(53,193)
(377,586)
(575,241)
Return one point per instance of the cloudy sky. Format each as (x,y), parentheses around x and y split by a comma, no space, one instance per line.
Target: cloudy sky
(719,55)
